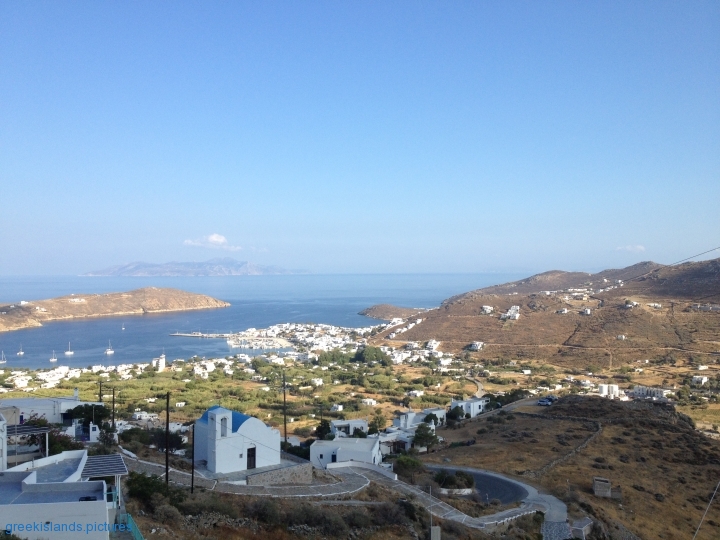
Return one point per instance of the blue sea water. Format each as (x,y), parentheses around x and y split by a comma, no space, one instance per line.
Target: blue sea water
(256,301)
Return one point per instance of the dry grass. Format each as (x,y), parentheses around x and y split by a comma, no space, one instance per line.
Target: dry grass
(665,469)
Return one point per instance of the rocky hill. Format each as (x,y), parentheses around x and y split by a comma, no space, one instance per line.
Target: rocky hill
(662,322)
(226,266)
(80,306)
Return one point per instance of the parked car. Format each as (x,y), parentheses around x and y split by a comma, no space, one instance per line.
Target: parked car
(544,402)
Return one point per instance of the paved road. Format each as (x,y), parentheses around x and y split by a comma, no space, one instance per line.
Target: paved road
(491,486)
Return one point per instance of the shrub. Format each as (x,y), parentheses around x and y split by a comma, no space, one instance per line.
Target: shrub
(143,487)
(388,513)
(266,510)
(167,513)
(357,519)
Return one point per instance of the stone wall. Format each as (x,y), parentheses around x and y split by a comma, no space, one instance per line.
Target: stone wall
(302,473)
(553,463)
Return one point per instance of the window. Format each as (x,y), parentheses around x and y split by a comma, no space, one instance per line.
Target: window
(223,426)
(321,456)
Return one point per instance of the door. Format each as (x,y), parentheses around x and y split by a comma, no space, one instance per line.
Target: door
(333,458)
(251,458)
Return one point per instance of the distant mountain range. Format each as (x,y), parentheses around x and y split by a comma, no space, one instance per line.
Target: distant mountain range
(214,267)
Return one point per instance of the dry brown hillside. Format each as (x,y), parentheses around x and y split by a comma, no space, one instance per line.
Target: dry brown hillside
(137,302)
(576,339)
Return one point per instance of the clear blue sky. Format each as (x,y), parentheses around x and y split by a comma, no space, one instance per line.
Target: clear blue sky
(358,136)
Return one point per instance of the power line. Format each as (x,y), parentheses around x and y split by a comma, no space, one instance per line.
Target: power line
(706,511)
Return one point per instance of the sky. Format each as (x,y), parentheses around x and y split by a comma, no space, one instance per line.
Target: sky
(358,137)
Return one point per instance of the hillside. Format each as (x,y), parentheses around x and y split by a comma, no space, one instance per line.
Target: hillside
(137,302)
(214,267)
(652,455)
(579,340)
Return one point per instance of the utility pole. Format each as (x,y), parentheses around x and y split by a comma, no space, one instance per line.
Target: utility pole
(100,391)
(113,410)
(192,477)
(167,439)
(284,410)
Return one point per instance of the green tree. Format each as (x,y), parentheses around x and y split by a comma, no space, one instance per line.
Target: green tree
(432,417)
(359,434)
(424,437)
(377,423)
(323,430)
(372,354)
(91,413)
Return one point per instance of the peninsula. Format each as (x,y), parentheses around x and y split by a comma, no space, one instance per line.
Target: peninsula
(388,312)
(82,306)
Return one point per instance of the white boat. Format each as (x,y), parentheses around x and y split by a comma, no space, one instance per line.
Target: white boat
(53,358)
(2,358)
(109,350)
(123,327)
(69,352)
(20,352)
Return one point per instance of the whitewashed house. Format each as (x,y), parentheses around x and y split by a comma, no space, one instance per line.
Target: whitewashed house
(345,449)
(472,406)
(476,345)
(345,428)
(229,441)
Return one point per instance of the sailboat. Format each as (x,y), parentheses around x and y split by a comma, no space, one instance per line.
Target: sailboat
(2,358)
(123,326)
(69,352)
(109,350)
(54,358)
(20,352)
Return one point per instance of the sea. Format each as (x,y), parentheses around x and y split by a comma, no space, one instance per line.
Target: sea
(256,302)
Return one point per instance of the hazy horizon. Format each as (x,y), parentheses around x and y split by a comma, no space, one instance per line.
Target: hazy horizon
(358,138)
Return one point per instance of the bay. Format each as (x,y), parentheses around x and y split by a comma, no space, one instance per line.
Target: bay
(256,301)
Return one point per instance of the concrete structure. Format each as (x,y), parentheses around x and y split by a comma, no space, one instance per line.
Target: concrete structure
(54,410)
(649,392)
(56,498)
(345,428)
(699,379)
(476,345)
(412,419)
(602,487)
(609,390)
(345,449)
(487,310)
(581,528)
(472,406)
(229,441)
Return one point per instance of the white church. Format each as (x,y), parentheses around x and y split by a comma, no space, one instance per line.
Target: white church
(230,441)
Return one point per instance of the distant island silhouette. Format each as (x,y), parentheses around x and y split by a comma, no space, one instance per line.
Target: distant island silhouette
(225,266)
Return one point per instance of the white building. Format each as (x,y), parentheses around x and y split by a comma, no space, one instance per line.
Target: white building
(412,419)
(62,497)
(345,428)
(699,379)
(649,392)
(476,345)
(230,441)
(487,310)
(55,410)
(369,402)
(345,449)
(609,390)
(472,406)
(432,345)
